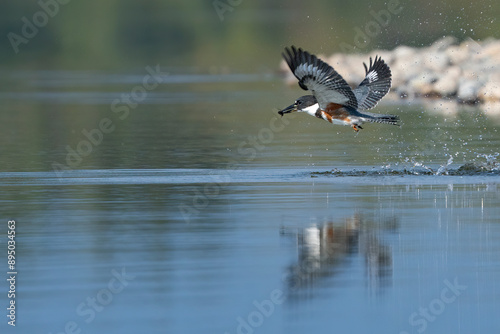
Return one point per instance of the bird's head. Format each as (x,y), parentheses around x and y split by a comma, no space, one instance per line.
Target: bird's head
(301,104)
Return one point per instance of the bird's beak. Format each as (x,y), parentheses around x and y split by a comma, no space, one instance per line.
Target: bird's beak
(287,110)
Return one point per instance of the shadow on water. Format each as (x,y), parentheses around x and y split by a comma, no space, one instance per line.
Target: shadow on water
(330,248)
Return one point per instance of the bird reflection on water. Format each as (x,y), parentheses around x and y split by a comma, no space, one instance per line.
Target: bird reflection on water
(326,249)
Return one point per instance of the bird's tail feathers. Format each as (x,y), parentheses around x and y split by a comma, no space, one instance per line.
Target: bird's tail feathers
(380,118)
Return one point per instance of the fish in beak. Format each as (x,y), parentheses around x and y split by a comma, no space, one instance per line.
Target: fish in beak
(288,109)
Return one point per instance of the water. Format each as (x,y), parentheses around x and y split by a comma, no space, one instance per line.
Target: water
(200,210)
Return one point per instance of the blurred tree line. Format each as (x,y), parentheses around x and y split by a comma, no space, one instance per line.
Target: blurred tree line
(239,35)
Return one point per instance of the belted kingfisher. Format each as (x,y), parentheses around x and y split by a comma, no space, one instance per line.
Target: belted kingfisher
(333,99)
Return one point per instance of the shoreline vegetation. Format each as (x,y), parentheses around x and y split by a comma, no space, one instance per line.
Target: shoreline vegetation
(463,73)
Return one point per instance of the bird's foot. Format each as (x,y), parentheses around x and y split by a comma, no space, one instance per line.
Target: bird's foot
(356,127)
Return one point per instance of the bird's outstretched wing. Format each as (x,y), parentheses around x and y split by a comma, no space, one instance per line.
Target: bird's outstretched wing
(375,85)
(319,77)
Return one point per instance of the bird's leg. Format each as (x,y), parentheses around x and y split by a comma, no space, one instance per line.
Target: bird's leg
(356,127)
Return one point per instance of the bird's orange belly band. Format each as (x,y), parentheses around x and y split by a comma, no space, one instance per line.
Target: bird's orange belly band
(336,111)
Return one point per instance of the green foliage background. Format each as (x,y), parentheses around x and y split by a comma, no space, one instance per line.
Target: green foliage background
(126,34)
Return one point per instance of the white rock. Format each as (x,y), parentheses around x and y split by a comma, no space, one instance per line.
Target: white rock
(447,84)
(445,87)
(490,92)
(403,51)
(457,54)
(437,61)
(423,83)
(468,90)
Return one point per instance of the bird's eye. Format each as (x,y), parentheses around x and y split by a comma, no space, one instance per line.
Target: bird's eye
(297,103)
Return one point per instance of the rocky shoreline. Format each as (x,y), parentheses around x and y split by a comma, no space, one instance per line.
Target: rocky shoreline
(467,72)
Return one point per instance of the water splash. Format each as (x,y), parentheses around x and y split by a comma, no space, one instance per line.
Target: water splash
(485,164)
(491,160)
(444,169)
(490,166)
(420,165)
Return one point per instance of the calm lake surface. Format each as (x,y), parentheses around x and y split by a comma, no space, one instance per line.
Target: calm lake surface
(190,206)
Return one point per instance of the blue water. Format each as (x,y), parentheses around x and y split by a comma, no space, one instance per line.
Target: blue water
(168,226)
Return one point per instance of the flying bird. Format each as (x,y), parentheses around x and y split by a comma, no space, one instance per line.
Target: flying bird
(332,98)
